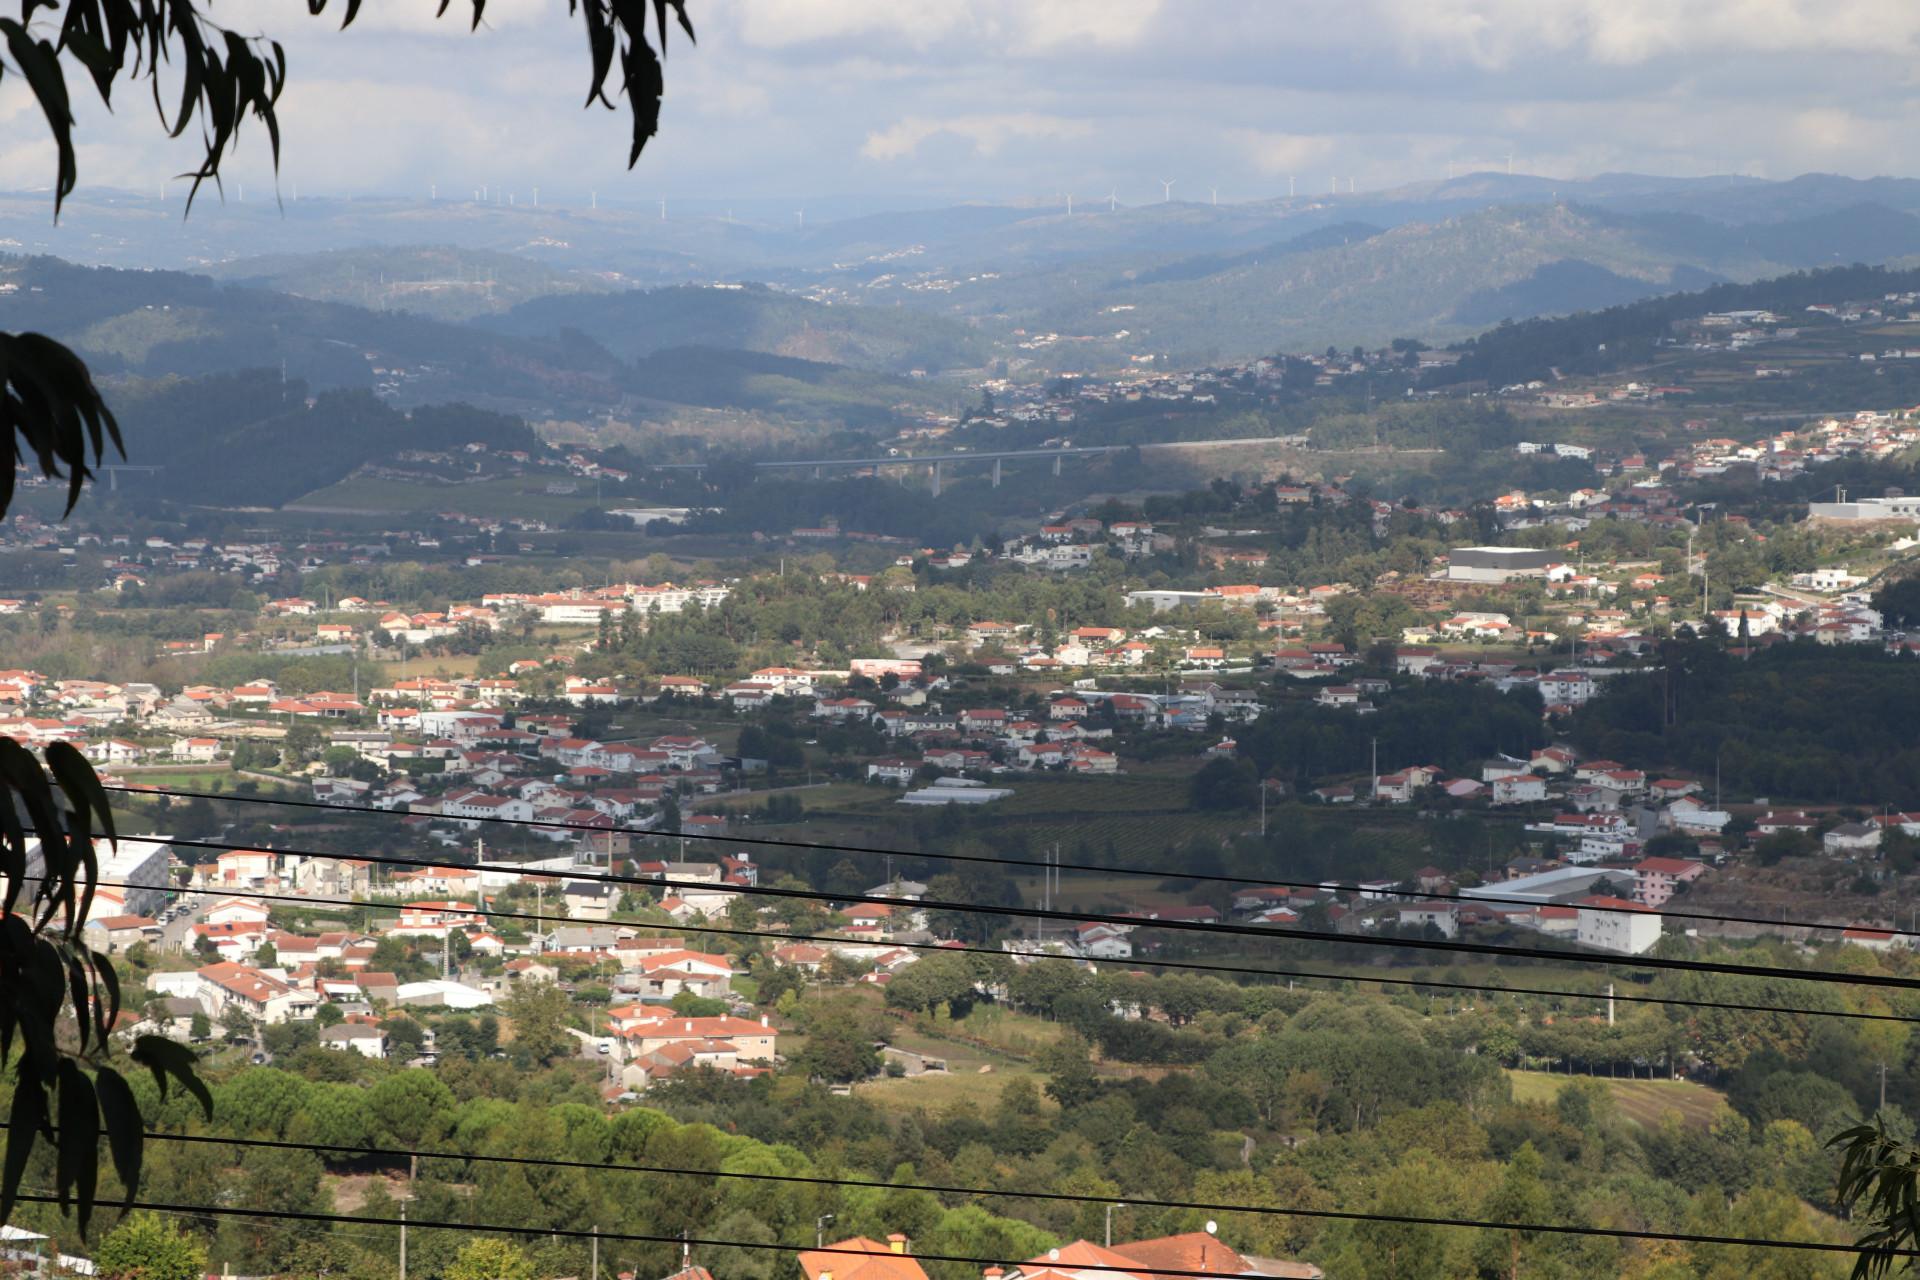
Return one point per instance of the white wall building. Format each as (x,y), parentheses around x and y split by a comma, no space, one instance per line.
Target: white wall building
(1616,925)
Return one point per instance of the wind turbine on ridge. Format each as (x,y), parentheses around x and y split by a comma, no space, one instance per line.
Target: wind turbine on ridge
(1166,188)
(1113,200)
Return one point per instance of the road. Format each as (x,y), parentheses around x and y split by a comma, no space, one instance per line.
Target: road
(173,934)
(990,455)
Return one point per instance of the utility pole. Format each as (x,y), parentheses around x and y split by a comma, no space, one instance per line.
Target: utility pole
(1109,1213)
(1883,1086)
(820,1230)
(596,1251)
(1609,1004)
(403,1239)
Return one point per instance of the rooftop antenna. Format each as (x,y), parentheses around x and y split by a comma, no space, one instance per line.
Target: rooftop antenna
(1166,188)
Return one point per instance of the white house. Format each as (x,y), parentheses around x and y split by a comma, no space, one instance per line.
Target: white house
(1851,837)
(1519,788)
(358,1037)
(1444,916)
(1616,925)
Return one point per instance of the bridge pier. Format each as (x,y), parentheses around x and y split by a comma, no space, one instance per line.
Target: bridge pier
(1056,462)
(816,473)
(996,473)
(936,479)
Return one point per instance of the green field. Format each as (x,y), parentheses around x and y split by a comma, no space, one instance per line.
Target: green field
(1645,1102)
(935,1093)
(833,797)
(1139,838)
(975,1073)
(1004,1030)
(1098,891)
(1128,793)
(185,778)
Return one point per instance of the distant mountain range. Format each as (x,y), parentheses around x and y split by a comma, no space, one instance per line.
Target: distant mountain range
(1354,283)
(962,288)
(643,352)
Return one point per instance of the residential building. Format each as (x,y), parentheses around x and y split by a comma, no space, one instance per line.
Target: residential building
(1617,925)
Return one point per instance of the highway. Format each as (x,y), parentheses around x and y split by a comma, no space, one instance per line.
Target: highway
(986,455)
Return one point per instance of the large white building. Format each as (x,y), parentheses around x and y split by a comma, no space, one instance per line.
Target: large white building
(133,876)
(1616,925)
(1866,509)
(1497,564)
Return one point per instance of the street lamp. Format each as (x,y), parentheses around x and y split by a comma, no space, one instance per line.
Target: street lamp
(820,1230)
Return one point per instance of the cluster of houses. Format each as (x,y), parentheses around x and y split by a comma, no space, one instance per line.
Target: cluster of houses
(256,972)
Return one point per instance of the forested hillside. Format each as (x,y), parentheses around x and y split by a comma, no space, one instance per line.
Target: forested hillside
(640,323)
(249,439)
(1622,336)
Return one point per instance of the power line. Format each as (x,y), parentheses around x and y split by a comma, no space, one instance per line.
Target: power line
(1143,922)
(934,1188)
(629,1237)
(950,948)
(998,860)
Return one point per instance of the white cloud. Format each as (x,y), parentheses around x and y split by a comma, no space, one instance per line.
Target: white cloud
(1497,34)
(388,17)
(1281,153)
(999,27)
(987,133)
(775,24)
(969,99)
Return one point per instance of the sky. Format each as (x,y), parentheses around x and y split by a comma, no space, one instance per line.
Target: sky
(863,104)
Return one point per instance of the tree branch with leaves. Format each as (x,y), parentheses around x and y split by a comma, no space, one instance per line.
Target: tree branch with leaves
(59,999)
(1879,1183)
